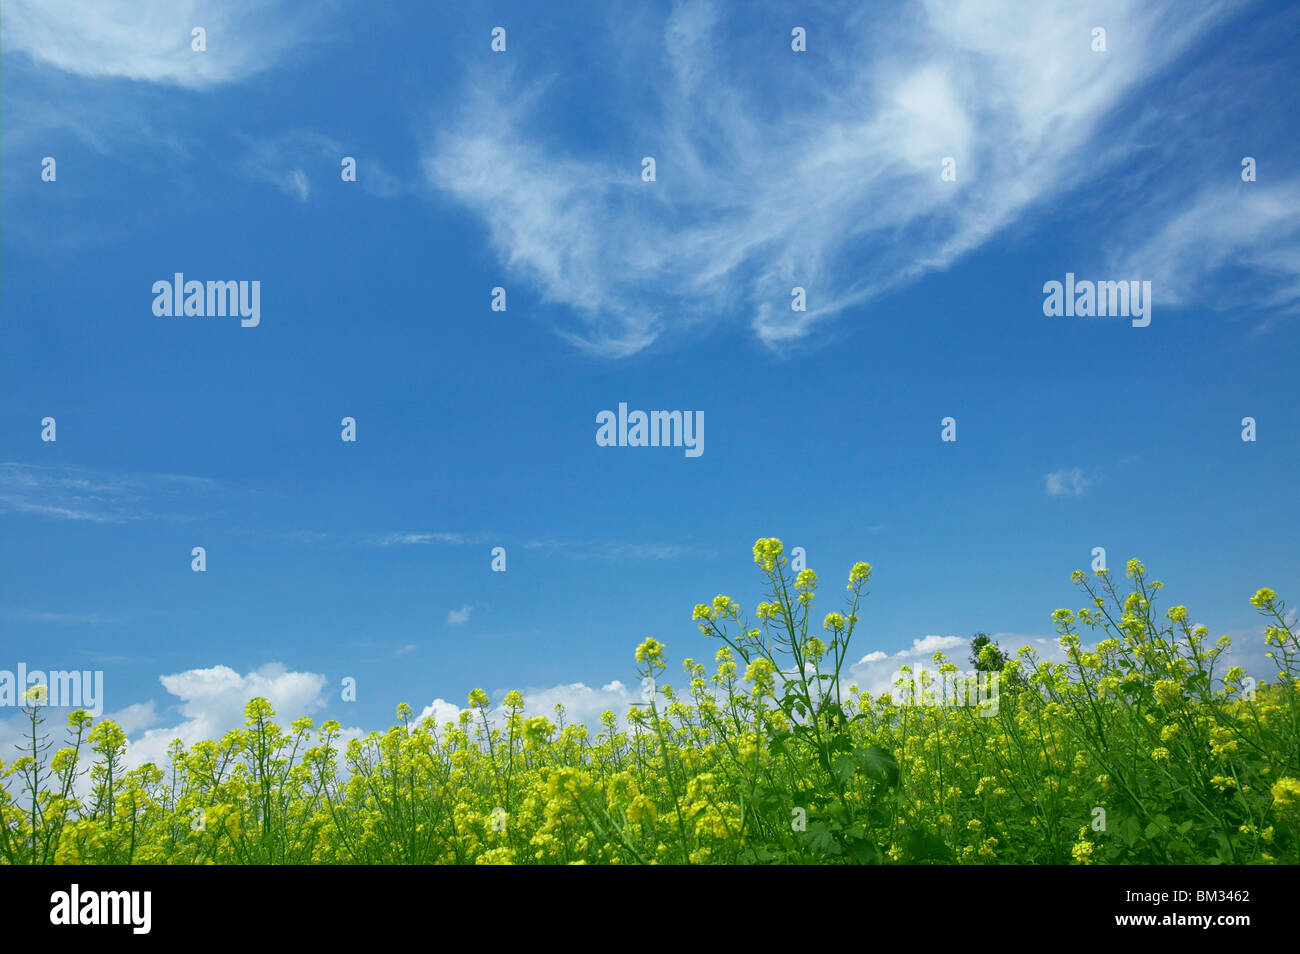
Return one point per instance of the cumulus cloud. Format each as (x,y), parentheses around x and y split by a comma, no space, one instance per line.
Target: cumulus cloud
(136,717)
(875,672)
(212,703)
(836,190)
(441,711)
(457,617)
(929,645)
(582,703)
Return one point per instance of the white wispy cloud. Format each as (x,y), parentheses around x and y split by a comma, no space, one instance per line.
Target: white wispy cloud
(604,549)
(1066,483)
(282,161)
(1231,245)
(151,40)
(96,496)
(426,539)
(457,617)
(580,549)
(80,619)
(296,183)
(295,162)
(838,192)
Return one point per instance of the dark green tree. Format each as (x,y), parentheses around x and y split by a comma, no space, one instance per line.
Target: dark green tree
(998,659)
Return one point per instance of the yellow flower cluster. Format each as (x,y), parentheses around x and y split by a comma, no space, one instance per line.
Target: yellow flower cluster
(789,764)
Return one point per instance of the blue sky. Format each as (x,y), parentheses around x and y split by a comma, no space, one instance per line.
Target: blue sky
(476,428)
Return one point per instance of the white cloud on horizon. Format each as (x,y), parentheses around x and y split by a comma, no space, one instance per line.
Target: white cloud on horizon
(212,700)
(929,645)
(582,703)
(875,672)
(212,703)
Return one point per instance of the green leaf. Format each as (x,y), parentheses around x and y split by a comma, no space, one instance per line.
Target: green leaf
(1130,830)
(777,744)
(865,852)
(878,765)
(844,766)
(921,845)
(820,839)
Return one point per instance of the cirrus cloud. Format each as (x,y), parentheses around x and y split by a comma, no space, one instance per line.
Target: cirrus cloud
(151,40)
(833,187)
